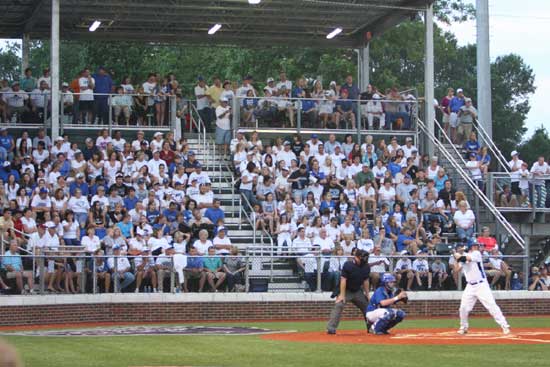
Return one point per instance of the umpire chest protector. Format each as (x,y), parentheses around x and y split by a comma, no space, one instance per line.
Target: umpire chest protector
(355,275)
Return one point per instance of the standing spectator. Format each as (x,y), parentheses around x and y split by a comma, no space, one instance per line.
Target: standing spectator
(103,86)
(46,77)
(466,116)
(203,103)
(515,175)
(351,87)
(444,106)
(28,82)
(223,125)
(86,85)
(344,109)
(454,107)
(214,93)
(40,100)
(539,169)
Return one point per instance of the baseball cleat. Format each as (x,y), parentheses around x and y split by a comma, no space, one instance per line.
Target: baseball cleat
(506,330)
(462,331)
(331,332)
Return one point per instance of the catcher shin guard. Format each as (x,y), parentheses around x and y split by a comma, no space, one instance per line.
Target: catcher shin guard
(382,325)
(399,316)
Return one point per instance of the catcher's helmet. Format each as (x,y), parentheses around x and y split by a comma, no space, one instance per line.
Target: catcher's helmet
(388,278)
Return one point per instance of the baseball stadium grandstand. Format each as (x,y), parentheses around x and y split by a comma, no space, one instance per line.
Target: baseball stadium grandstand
(144,204)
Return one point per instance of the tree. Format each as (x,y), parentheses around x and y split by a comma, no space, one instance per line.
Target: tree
(10,63)
(536,146)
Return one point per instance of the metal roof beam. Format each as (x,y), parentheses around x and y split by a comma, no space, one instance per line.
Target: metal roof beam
(34,15)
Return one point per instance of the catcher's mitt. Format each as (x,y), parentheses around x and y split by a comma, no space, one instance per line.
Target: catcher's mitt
(404,300)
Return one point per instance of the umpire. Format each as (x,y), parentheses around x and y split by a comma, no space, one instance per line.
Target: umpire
(354,288)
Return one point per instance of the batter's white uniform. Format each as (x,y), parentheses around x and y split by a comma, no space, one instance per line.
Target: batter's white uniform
(477,288)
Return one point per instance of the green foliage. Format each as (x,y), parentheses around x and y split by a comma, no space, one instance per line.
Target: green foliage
(537,145)
(10,63)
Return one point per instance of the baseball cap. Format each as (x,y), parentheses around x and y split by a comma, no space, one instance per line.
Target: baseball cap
(270,80)
(459,90)
(407,139)
(286,142)
(198,165)
(64,84)
(191,152)
(79,175)
(314,136)
(408,176)
(514,152)
(224,99)
(43,190)
(50,224)
(473,155)
(248,77)
(158,133)
(6,164)
(27,157)
(285,168)
(200,78)
(141,181)
(222,228)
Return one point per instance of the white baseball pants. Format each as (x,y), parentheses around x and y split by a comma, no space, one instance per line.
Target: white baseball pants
(481,292)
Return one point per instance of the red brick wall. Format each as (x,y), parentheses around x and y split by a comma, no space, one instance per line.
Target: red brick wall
(224,311)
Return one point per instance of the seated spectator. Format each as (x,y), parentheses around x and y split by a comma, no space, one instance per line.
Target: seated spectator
(487,240)
(406,241)
(506,198)
(439,273)
(145,269)
(213,267)
(164,267)
(13,265)
(122,270)
(308,265)
(464,219)
(344,110)
(378,265)
(539,279)
(234,269)
(403,270)
(336,264)
(222,243)
(202,244)
(421,270)
(194,270)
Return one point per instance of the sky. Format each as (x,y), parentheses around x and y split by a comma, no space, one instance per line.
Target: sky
(520,27)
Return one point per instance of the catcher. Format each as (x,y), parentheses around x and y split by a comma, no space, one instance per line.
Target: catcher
(380,315)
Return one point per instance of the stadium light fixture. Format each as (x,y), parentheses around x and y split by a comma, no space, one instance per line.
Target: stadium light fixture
(254,2)
(216,27)
(334,33)
(95,25)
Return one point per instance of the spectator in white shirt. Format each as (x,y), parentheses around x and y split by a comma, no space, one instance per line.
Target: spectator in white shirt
(378,264)
(465,220)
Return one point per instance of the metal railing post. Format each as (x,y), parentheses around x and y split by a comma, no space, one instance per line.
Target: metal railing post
(42,278)
(82,279)
(61,114)
(526,263)
(45,114)
(319,272)
(172,275)
(117,276)
(246,275)
(110,103)
(94,275)
(173,104)
(298,116)
(358,122)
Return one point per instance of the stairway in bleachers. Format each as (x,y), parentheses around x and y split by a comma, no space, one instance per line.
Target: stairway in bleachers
(279,273)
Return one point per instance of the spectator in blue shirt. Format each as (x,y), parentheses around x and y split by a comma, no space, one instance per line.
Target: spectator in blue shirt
(12,263)
(194,269)
(344,109)
(104,85)
(7,145)
(215,213)
(79,183)
(471,145)
(353,89)
(454,106)
(171,212)
(131,200)
(6,171)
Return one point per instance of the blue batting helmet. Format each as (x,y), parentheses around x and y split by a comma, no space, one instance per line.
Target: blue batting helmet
(388,278)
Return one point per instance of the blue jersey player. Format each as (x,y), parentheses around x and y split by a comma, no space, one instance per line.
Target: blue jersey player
(380,315)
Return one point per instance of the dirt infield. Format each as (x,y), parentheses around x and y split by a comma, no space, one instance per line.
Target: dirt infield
(421,337)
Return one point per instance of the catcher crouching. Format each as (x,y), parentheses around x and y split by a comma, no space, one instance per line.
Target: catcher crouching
(380,315)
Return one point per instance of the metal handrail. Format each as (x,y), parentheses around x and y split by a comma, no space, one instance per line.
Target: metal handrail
(199,124)
(480,194)
(492,146)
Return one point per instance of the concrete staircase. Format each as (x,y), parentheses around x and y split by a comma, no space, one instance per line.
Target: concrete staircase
(279,273)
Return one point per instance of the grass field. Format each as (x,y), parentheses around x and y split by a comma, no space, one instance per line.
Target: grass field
(253,351)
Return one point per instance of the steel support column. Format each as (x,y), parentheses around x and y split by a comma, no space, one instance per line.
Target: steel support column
(363,67)
(25,45)
(429,76)
(484,67)
(54,67)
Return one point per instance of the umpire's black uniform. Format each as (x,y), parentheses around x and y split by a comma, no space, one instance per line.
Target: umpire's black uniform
(355,272)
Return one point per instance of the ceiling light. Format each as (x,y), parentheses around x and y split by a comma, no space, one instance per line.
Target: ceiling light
(95,25)
(334,33)
(254,2)
(214,29)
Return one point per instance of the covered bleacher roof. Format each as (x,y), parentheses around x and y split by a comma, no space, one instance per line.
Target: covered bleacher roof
(272,22)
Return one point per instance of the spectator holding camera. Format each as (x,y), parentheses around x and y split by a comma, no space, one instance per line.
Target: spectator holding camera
(539,279)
